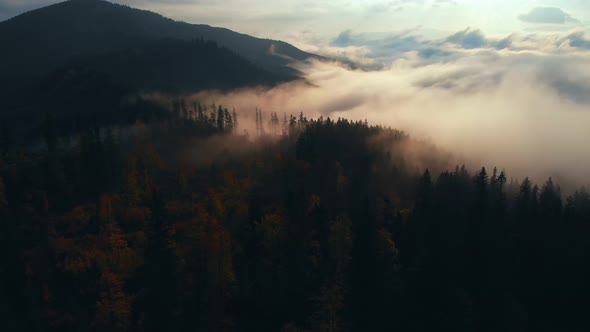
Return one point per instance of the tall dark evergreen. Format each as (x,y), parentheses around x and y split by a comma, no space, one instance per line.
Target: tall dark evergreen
(229,123)
(221,124)
(213,121)
(235,120)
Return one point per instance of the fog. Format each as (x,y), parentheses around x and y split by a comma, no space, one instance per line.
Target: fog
(525,111)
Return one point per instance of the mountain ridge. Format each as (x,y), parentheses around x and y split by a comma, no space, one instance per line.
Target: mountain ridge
(77,27)
(57,58)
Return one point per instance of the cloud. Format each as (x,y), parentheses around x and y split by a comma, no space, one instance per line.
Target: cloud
(382,48)
(547,15)
(523,107)
(470,39)
(433,52)
(474,38)
(577,39)
(343,39)
(374,51)
(569,85)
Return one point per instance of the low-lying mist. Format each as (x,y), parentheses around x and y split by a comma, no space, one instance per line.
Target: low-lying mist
(523,111)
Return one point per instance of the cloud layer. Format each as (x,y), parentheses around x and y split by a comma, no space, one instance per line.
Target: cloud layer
(519,102)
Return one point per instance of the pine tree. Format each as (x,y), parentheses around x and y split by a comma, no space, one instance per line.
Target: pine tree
(193,112)
(201,117)
(481,180)
(550,203)
(257,122)
(220,119)
(184,109)
(285,126)
(229,125)
(481,187)
(261,122)
(424,198)
(272,123)
(213,118)
(235,118)
(292,125)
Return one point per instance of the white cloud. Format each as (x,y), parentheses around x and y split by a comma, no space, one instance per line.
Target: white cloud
(547,15)
(524,108)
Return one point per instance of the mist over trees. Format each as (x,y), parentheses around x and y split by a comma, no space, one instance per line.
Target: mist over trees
(302,225)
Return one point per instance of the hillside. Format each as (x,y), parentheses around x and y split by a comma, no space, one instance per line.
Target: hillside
(57,58)
(46,38)
(189,225)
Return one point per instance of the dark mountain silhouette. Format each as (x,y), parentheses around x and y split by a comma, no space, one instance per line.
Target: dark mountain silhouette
(59,58)
(98,84)
(39,41)
(173,65)
(94,89)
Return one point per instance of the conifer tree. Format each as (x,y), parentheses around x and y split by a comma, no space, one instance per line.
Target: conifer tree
(235,118)
(220,119)
(201,117)
(213,118)
(285,126)
(229,124)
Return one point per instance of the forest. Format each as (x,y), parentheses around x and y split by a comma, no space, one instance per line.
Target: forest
(191,220)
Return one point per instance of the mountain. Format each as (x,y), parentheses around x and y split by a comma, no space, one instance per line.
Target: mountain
(99,84)
(173,65)
(40,41)
(83,58)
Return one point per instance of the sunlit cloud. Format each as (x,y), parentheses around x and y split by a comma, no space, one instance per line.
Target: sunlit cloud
(523,107)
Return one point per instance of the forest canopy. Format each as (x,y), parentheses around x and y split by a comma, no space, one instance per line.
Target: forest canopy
(200,219)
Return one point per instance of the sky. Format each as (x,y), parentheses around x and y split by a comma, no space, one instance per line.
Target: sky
(280,18)
(498,82)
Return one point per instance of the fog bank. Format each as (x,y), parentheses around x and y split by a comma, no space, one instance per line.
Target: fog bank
(521,103)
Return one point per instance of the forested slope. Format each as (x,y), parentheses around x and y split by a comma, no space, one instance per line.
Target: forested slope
(305,225)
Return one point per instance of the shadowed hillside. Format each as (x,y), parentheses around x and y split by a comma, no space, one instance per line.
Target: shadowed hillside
(45,38)
(58,58)
(309,225)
